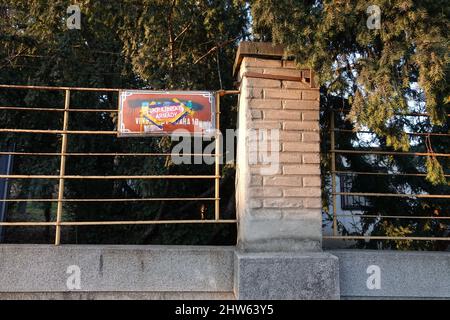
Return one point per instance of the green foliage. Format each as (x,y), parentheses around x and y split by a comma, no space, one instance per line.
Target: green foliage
(435,173)
(384,72)
(149,44)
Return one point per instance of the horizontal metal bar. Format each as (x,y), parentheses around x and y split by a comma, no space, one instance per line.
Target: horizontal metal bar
(27,224)
(408,114)
(9,86)
(228,92)
(5,176)
(110,200)
(58,131)
(114,154)
(391,217)
(104,223)
(100,223)
(384,173)
(88,132)
(400,195)
(386,238)
(56,109)
(409,133)
(392,153)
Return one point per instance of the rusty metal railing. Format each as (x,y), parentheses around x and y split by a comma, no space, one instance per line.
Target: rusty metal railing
(62,176)
(335,215)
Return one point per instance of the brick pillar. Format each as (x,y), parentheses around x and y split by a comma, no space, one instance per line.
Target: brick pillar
(278,210)
(279,194)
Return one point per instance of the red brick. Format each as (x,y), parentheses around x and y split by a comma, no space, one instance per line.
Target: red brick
(302,192)
(292,64)
(283,72)
(310,137)
(256,114)
(262,83)
(301,125)
(258,62)
(311,158)
(282,181)
(305,169)
(312,181)
(301,146)
(254,93)
(290,157)
(267,170)
(264,104)
(264,124)
(282,94)
(301,105)
(290,136)
(294,85)
(248,69)
(310,95)
(282,115)
(310,116)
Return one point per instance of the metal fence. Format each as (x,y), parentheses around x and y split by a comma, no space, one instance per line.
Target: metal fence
(62,177)
(350,195)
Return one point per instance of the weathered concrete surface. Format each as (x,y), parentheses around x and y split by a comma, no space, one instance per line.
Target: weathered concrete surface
(402,274)
(42,268)
(286,276)
(257,49)
(117,296)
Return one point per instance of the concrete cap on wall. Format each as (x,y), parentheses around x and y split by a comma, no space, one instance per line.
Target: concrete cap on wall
(266,50)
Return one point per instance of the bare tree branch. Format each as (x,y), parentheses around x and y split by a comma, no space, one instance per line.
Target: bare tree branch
(217,47)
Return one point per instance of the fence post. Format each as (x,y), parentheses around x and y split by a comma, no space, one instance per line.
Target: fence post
(278,188)
(62,170)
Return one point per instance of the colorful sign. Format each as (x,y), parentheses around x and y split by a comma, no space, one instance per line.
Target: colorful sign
(162,112)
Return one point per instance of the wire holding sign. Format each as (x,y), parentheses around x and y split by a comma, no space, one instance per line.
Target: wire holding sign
(163,112)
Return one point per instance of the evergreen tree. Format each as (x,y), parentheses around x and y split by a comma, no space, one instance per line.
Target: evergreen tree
(157,44)
(383,71)
(380,73)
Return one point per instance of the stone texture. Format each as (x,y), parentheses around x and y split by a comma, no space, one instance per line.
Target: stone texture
(42,268)
(286,276)
(403,274)
(114,295)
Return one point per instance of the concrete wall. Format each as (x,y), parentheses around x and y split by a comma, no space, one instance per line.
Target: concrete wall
(393,274)
(153,272)
(117,271)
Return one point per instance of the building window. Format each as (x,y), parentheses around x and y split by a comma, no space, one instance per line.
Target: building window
(351,202)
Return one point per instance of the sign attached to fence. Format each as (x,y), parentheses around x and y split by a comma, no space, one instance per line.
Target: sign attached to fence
(143,113)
